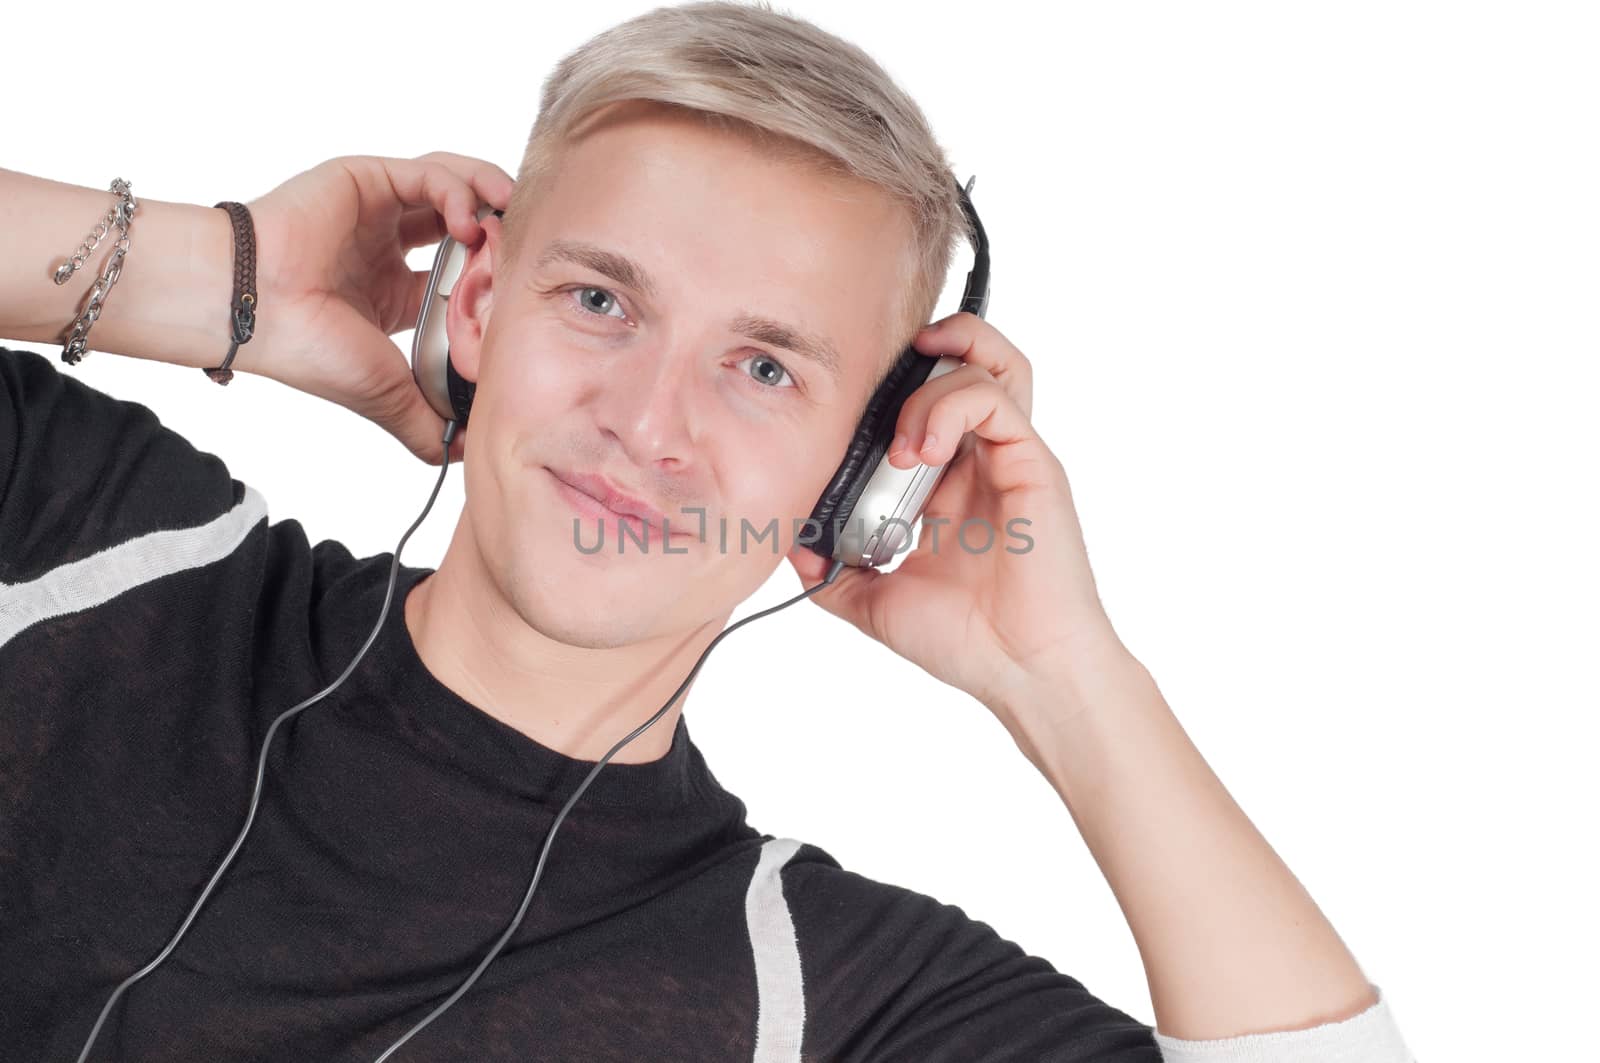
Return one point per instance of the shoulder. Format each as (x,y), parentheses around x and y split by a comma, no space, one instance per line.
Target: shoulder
(82,471)
(102,503)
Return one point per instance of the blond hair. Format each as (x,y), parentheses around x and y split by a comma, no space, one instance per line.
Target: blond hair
(798,91)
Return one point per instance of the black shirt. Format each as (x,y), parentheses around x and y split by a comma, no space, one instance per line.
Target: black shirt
(153,623)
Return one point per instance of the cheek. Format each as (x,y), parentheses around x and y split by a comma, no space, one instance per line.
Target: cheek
(532,391)
(528,363)
(771,482)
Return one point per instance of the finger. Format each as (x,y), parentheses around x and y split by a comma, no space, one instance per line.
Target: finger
(392,187)
(421,226)
(416,290)
(425,182)
(809,565)
(912,425)
(987,411)
(963,448)
(493,185)
(400,409)
(847,597)
(969,337)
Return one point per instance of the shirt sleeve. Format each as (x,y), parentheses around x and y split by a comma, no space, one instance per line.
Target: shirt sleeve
(895,976)
(1373,1036)
(82,473)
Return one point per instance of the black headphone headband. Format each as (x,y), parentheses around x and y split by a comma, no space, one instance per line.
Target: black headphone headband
(975,296)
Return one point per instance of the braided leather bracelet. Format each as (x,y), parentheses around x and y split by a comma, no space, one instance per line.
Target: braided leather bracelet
(244,286)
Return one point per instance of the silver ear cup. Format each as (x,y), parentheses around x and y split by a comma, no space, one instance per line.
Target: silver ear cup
(430,345)
(890,504)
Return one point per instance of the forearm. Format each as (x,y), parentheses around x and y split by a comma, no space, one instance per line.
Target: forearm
(1231,942)
(171,303)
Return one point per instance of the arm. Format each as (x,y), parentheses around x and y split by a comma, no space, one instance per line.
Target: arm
(1233,944)
(171,302)
(331,266)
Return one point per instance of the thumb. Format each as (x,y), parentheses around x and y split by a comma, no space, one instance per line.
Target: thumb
(848,597)
(400,409)
(422,431)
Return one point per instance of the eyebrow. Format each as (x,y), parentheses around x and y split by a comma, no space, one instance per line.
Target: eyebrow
(627,272)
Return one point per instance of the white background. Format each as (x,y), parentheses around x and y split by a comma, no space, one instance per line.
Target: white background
(1311,296)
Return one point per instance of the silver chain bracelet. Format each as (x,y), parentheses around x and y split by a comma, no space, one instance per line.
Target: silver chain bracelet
(121,215)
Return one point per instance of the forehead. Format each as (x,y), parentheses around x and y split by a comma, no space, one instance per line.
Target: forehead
(707,220)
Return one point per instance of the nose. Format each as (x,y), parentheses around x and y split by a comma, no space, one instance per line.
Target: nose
(647,403)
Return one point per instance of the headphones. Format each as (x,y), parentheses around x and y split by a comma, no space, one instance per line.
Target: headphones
(864,483)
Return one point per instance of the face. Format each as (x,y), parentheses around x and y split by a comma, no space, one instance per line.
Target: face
(692,322)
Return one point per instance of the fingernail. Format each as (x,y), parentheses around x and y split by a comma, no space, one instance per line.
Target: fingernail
(929,442)
(898,444)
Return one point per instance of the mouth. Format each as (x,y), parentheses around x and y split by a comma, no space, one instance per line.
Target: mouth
(595,497)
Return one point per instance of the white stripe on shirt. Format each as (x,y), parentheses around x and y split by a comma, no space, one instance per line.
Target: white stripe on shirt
(780,993)
(101,576)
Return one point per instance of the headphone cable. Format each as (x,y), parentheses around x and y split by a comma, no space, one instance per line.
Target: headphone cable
(266,744)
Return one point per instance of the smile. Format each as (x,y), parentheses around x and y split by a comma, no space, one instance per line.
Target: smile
(645,530)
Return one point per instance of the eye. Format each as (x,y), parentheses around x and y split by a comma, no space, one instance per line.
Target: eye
(768,370)
(598,301)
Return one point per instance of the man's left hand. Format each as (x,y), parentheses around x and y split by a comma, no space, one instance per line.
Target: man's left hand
(983,609)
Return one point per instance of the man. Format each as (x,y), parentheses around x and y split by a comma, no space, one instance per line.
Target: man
(726,223)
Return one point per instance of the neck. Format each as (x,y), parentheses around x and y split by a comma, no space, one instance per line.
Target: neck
(577,700)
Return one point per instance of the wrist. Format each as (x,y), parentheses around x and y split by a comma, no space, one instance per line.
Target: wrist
(1055,694)
(172,302)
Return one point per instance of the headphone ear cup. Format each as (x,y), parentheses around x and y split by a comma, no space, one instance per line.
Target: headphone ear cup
(460,391)
(868,448)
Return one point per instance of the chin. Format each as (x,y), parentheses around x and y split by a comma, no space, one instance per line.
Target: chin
(597,600)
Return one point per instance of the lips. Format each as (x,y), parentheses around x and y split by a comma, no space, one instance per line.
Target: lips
(614,499)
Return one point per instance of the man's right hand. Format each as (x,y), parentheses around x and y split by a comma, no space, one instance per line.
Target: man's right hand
(335,286)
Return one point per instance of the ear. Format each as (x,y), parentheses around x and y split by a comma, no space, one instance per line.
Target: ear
(472,300)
